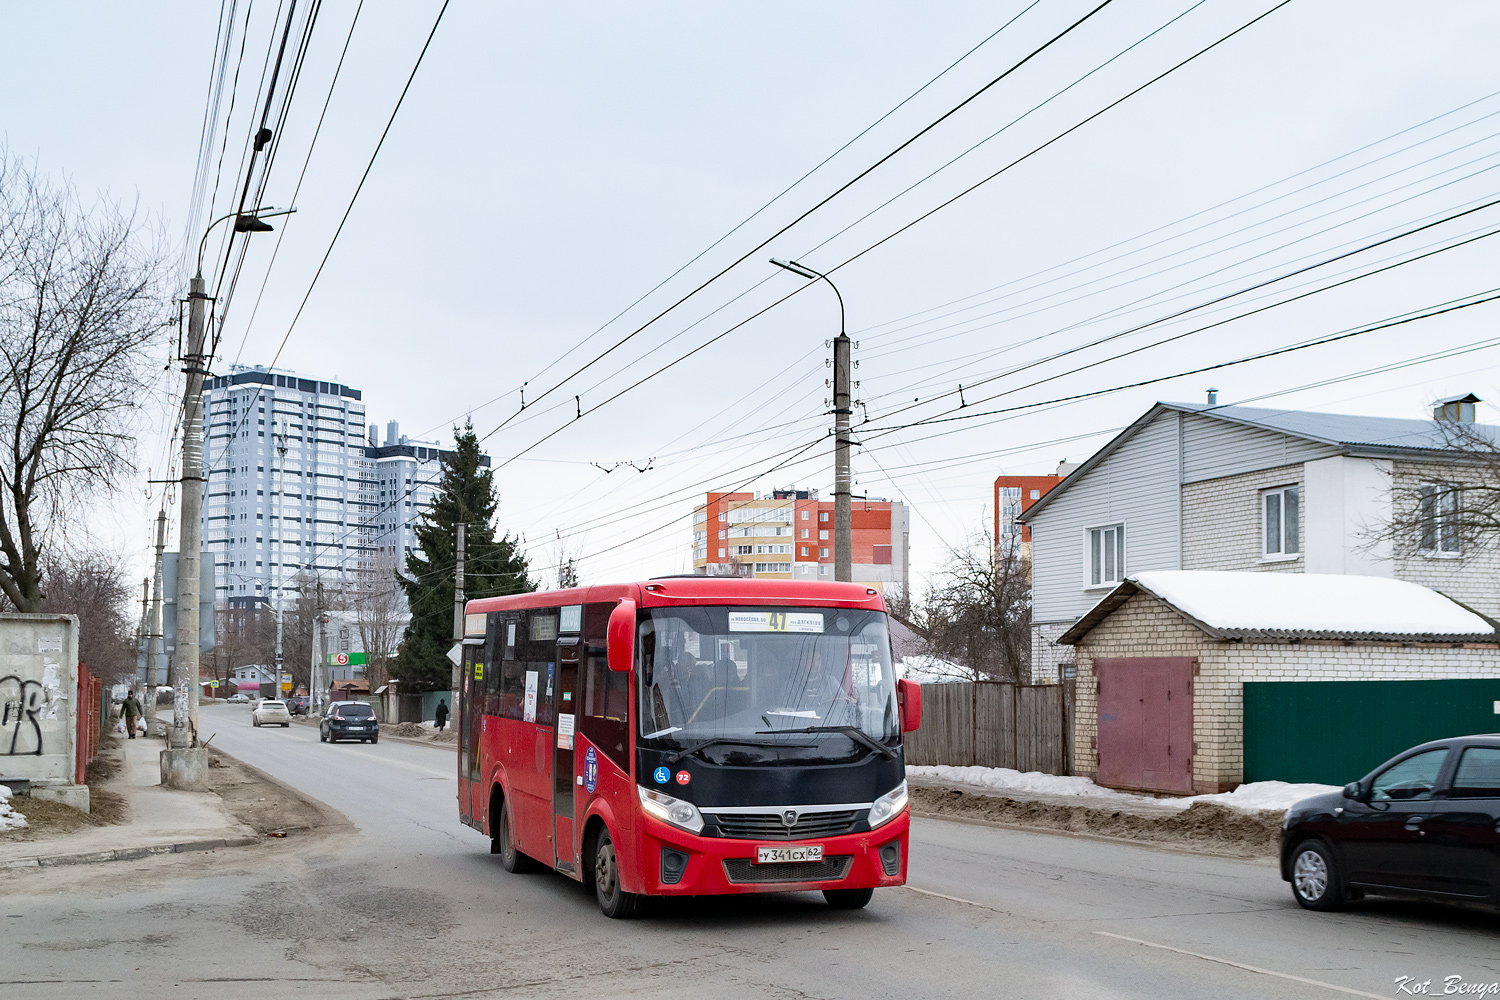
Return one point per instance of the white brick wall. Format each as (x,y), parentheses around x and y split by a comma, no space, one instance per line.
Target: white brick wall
(1474,577)
(1221,521)
(1145,626)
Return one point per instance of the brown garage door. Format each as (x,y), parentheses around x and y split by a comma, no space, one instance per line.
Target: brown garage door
(1146,723)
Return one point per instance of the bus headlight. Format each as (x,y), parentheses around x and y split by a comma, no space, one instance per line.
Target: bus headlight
(670,810)
(888,806)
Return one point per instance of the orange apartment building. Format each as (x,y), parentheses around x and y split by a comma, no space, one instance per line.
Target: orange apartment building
(788,535)
(1013,495)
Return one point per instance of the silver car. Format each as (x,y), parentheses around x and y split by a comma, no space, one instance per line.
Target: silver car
(271,712)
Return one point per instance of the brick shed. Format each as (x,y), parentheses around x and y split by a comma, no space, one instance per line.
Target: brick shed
(1163,663)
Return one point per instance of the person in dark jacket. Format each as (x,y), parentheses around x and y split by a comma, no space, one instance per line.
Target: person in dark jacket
(130,710)
(441,715)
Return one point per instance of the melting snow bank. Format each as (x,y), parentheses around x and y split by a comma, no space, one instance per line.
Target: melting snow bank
(9,818)
(1279,795)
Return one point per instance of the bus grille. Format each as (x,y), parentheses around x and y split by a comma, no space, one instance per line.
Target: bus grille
(768,826)
(743,870)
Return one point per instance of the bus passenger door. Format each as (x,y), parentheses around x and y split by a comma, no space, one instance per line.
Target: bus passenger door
(465,814)
(562,758)
(470,703)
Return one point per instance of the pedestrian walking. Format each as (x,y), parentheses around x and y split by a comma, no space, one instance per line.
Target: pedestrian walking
(441,714)
(130,710)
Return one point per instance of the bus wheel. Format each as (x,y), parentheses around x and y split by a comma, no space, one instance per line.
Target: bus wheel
(511,859)
(613,899)
(848,899)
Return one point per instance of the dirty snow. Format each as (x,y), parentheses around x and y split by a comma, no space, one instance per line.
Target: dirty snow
(1255,796)
(923,669)
(10,819)
(1311,602)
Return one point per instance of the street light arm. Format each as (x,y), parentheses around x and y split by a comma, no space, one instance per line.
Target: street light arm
(257,213)
(802,270)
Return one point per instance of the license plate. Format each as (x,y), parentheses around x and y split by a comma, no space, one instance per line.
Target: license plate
(782,855)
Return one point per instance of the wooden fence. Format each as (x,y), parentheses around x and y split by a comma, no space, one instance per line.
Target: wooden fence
(994,724)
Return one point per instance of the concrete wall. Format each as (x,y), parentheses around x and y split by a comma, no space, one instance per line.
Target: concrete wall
(1348,503)
(39,703)
(1145,626)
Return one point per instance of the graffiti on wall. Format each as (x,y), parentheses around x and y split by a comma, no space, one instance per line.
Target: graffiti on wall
(25,703)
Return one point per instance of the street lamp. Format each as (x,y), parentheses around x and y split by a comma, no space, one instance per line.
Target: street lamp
(184,762)
(843,549)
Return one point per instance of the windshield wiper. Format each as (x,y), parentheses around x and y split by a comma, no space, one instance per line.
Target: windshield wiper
(853,732)
(704,744)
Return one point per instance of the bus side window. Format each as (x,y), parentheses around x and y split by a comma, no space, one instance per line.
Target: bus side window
(606,693)
(511,682)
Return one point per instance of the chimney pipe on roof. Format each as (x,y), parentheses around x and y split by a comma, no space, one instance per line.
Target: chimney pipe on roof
(1455,409)
(1213,397)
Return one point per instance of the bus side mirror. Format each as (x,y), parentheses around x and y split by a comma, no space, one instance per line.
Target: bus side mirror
(909,698)
(621,641)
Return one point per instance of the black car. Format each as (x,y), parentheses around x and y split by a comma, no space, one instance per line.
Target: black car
(297,704)
(1426,823)
(349,720)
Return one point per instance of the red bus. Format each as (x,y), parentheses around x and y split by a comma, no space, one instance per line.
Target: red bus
(688,736)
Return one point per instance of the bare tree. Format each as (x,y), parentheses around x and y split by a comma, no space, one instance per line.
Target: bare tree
(380,614)
(242,636)
(93,586)
(975,613)
(80,305)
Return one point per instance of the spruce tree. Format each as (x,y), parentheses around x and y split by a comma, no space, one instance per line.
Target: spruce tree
(466,494)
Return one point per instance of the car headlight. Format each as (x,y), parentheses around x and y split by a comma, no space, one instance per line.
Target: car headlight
(674,811)
(888,806)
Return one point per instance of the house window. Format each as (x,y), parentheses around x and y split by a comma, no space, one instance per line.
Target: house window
(823,516)
(1106,555)
(1439,512)
(1280,513)
(1036,494)
(823,535)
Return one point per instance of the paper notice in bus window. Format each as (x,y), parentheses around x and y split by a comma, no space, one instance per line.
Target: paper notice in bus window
(775,621)
(564,731)
(530,703)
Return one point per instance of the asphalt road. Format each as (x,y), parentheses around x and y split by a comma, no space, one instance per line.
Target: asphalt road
(412,905)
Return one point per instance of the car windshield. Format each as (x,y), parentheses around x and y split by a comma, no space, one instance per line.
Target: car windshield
(716,672)
(354,712)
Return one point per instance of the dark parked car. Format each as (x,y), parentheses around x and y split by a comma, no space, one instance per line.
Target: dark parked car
(1426,823)
(349,720)
(297,704)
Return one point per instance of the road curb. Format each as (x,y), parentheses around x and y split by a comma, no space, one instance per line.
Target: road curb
(128,853)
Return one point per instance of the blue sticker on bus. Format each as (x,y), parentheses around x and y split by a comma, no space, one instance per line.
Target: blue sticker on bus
(662,775)
(590,770)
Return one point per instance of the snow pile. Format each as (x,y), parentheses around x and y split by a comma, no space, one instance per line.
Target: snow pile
(1266,795)
(9,818)
(1311,602)
(1249,798)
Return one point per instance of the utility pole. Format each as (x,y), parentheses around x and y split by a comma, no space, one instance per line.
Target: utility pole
(843,546)
(458,608)
(154,651)
(278,575)
(319,649)
(184,666)
(141,642)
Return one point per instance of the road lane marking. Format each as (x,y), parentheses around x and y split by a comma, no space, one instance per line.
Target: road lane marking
(1241,965)
(953,899)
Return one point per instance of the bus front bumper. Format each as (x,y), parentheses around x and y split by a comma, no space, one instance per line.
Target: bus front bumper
(674,862)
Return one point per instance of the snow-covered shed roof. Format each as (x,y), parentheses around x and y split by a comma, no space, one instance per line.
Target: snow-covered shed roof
(1272,606)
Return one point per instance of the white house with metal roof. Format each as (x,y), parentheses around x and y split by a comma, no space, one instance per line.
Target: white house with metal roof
(1209,487)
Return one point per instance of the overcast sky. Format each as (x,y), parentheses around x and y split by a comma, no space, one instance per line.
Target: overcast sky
(554,162)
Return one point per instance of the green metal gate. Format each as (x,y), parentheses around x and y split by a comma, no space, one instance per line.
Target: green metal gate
(1335,732)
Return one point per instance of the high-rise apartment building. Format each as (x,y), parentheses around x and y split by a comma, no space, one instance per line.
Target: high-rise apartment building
(288,487)
(788,535)
(332,505)
(1014,495)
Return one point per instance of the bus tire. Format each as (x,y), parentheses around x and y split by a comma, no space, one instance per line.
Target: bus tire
(848,899)
(504,844)
(613,899)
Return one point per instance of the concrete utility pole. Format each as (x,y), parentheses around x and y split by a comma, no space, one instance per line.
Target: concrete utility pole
(278,573)
(154,651)
(182,765)
(843,545)
(458,605)
(320,649)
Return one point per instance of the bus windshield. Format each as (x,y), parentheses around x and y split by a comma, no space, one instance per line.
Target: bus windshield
(745,672)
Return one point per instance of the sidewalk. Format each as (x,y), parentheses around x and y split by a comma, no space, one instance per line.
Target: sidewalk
(162,821)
